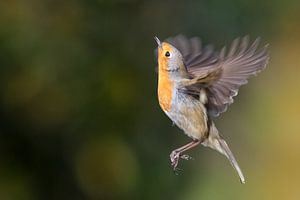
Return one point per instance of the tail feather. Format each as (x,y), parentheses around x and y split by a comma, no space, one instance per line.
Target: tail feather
(227,152)
(215,142)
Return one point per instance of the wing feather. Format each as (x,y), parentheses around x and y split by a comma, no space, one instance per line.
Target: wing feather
(240,62)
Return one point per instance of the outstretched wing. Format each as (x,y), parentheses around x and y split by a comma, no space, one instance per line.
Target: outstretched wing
(242,61)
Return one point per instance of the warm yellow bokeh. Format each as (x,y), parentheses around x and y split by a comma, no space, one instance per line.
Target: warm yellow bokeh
(79,112)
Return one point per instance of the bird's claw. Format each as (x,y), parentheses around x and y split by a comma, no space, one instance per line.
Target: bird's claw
(186,157)
(174,157)
(177,170)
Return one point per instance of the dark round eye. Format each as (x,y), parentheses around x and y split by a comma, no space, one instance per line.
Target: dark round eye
(167,54)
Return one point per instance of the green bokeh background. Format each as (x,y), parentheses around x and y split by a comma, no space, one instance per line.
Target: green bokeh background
(79,112)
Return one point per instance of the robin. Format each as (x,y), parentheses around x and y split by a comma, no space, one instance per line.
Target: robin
(196,84)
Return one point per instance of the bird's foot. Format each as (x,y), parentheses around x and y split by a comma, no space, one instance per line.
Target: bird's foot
(174,157)
(186,157)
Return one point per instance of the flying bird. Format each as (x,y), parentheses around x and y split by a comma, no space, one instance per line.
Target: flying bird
(196,84)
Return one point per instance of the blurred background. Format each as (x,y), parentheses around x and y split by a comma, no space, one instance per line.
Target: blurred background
(79,111)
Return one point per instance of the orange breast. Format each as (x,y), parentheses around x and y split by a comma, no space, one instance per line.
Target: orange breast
(165,87)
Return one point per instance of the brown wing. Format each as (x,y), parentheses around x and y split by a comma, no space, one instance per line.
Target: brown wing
(197,59)
(241,62)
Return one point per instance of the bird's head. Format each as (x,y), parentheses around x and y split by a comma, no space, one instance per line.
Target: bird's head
(169,58)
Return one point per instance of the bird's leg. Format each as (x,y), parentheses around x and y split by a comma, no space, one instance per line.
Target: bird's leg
(177,153)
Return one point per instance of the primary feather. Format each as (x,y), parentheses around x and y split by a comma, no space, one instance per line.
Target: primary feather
(239,63)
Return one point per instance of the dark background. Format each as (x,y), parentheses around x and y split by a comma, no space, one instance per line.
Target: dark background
(79,111)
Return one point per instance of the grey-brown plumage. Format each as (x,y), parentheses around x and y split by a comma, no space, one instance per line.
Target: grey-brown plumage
(239,63)
(197,83)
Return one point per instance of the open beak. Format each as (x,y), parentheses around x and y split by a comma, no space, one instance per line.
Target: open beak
(157,41)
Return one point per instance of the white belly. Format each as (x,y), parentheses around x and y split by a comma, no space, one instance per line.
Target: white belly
(189,114)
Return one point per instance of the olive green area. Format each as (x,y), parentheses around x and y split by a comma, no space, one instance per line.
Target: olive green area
(79,116)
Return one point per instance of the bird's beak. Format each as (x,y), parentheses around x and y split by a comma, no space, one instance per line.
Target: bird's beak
(157,41)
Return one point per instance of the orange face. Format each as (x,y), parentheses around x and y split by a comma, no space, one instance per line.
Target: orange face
(165,85)
(164,55)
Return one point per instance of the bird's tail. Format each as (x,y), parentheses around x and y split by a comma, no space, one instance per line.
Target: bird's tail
(215,142)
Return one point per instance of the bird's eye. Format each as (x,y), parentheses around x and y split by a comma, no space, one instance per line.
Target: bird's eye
(167,54)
